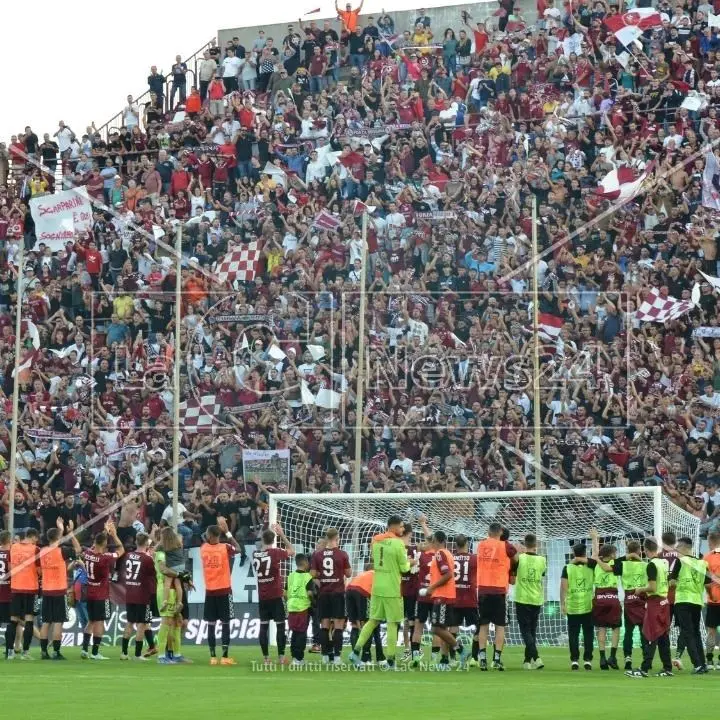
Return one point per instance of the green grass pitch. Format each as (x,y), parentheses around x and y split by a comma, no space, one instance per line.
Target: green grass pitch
(114,690)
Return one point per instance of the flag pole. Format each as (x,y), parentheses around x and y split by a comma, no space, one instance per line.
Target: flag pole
(360,391)
(176,377)
(536,345)
(16,390)
(536,370)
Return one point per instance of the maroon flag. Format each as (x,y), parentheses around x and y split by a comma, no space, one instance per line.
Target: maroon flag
(327,221)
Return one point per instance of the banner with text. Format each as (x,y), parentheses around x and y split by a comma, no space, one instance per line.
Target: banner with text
(270,467)
(59,217)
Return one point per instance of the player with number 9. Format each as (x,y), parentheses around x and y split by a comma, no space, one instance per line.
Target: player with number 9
(329,567)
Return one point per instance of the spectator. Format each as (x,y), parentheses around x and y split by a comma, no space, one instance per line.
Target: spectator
(156,84)
(179,81)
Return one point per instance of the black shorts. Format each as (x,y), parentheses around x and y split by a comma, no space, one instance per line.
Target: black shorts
(127,535)
(331,606)
(98,610)
(465,617)
(54,609)
(154,609)
(712,616)
(492,609)
(409,603)
(218,607)
(272,610)
(441,614)
(422,611)
(4,612)
(138,613)
(357,606)
(22,604)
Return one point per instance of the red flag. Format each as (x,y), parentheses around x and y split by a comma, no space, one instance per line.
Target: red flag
(327,221)
(549,326)
(641,18)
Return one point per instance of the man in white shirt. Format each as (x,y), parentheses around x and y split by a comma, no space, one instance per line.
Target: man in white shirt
(316,168)
(231,127)
(710,398)
(395,220)
(231,68)
(64,136)
(167,515)
(402,462)
(131,114)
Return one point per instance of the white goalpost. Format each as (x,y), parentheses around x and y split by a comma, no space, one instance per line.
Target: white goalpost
(559,518)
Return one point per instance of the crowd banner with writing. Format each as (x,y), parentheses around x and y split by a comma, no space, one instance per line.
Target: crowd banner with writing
(52,435)
(270,467)
(437,215)
(59,217)
(252,407)
(266,320)
(706,331)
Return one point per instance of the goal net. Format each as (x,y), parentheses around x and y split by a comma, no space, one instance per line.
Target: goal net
(559,518)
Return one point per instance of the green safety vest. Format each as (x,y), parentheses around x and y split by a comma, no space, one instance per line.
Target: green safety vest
(662,584)
(690,586)
(297,594)
(580,589)
(634,574)
(529,579)
(604,580)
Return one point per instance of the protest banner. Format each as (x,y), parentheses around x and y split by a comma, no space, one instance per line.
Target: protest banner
(59,217)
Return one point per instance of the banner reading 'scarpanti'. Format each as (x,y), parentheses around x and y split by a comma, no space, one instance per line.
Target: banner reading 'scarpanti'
(59,217)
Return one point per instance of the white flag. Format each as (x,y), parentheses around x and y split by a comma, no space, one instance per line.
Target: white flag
(711,182)
(715,282)
(328,399)
(305,394)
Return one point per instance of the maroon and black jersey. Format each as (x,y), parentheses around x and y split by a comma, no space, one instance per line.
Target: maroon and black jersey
(4,576)
(329,568)
(410,581)
(99,568)
(138,573)
(465,579)
(426,558)
(267,565)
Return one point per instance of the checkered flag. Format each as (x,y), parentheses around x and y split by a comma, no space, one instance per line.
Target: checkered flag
(656,308)
(199,415)
(240,264)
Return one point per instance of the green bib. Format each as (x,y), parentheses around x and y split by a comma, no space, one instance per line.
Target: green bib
(529,579)
(604,580)
(297,597)
(580,589)
(690,586)
(633,575)
(662,584)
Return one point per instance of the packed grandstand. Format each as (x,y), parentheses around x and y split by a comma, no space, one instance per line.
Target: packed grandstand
(413,160)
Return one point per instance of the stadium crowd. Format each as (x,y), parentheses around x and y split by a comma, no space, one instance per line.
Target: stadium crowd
(442,139)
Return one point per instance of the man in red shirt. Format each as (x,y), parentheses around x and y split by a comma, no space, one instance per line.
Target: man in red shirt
(330,566)
(93,264)
(99,564)
(140,587)
(267,564)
